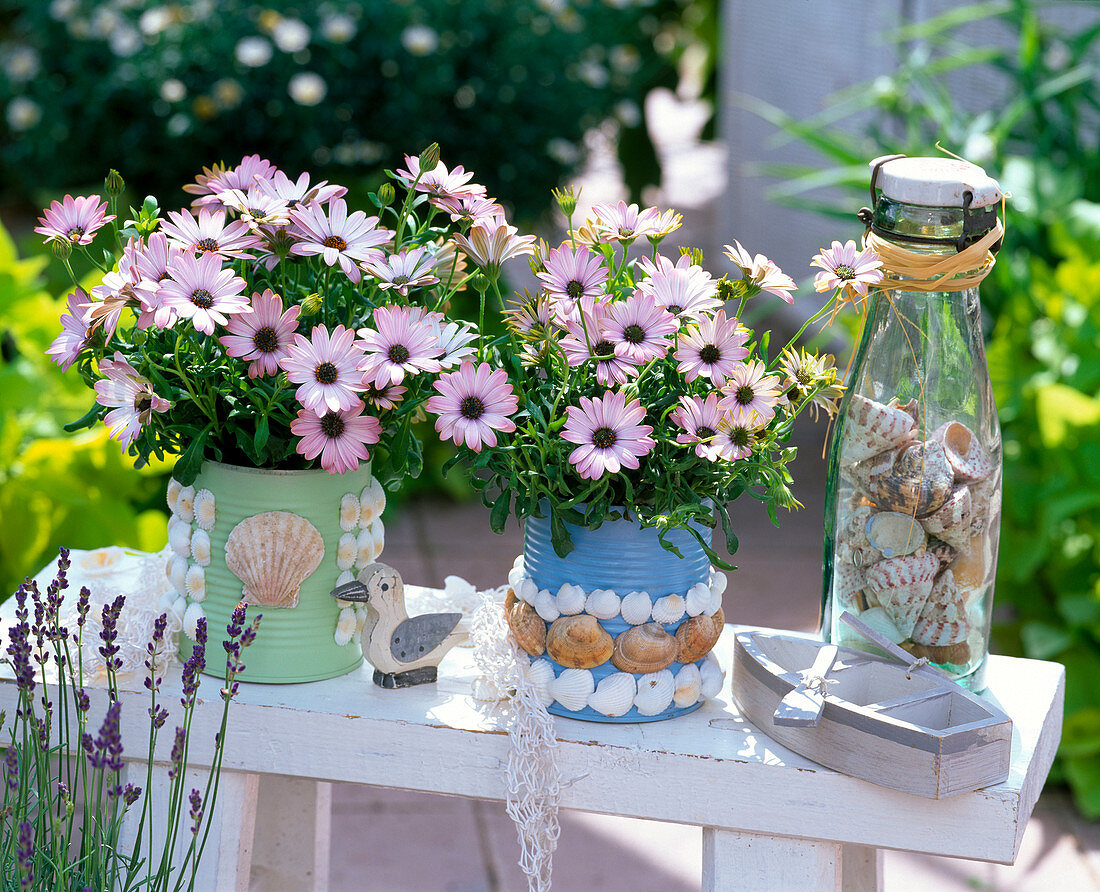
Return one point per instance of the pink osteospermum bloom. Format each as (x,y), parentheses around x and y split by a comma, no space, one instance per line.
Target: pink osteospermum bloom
(846,268)
(609,435)
(300,191)
(750,389)
(713,348)
(471,209)
(640,328)
(385,397)
(399,345)
(339,237)
(66,346)
(624,223)
(473,403)
(440,182)
(761,272)
(454,339)
(402,271)
(74,220)
(488,245)
(217,179)
(256,207)
(209,234)
(150,266)
(116,292)
(263,336)
(130,398)
(735,437)
(573,276)
(590,340)
(326,367)
(686,292)
(701,420)
(339,436)
(200,290)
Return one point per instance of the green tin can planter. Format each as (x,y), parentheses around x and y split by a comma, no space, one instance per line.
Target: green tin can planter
(280,541)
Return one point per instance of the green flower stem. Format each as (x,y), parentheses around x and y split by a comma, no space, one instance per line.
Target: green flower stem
(72,275)
(207,410)
(92,260)
(825,309)
(406,205)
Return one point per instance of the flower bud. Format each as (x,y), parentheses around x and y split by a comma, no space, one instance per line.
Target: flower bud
(429,158)
(696,254)
(386,194)
(114,184)
(61,248)
(311,304)
(566,199)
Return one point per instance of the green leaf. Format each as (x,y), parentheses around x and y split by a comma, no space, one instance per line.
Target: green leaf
(87,420)
(559,535)
(1083,774)
(259,439)
(1043,641)
(1081,734)
(498,516)
(188,465)
(1060,408)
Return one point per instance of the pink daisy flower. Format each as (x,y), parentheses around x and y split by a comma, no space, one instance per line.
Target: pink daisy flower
(209,234)
(75,220)
(453,338)
(399,345)
(115,293)
(685,291)
(473,404)
(660,265)
(762,273)
(130,398)
(402,271)
(608,433)
(150,264)
(639,328)
(471,209)
(385,397)
(200,290)
(263,336)
(713,348)
(217,179)
(591,340)
(66,346)
(845,268)
(296,192)
(574,276)
(440,182)
(701,420)
(624,222)
(734,438)
(749,389)
(339,436)
(327,368)
(338,237)
(256,207)
(488,245)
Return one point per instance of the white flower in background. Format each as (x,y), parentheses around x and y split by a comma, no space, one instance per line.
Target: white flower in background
(979,148)
(62,10)
(562,150)
(628,112)
(338,28)
(419,40)
(291,35)
(21,63)
(593,74)
(105,21)
(23,113)
(173,90)
(124,42)
(625,58)
(307,88)
(155,20)
(227,92)
(253,52)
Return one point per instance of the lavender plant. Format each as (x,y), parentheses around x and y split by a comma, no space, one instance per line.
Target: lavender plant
(64,795)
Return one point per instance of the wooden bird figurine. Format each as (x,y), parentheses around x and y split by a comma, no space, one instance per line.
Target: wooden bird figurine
(404,650)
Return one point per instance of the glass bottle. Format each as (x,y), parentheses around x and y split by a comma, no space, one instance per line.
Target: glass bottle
(913,500)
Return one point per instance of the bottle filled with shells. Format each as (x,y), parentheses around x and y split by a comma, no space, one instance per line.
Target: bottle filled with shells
(914,494)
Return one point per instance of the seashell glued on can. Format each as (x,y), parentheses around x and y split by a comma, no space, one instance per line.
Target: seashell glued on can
(602,603)
(688,685)
(636,608)
(614,695)
(273,554)
(185,504)
(176,569)
(578,642)
(669,609)
(873,428)
(349,512)
(952,523)
(711,678)
(968,460)
(571,599)
(918,482)
(205,513)
(191,617)
(655,691)
(528,590)
(573,688)
(179,536)
(541,675)
(515,576)
(715,603)
(546,605)
(894,534)
(645,648)
(697,599)
(696,637)
(527,627)
(372,501)
(200,548)
(903,585)
(345,627)
(174,487)
(718,581)
(195,583)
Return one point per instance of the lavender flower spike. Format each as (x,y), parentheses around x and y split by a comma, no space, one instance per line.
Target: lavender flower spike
(24,852)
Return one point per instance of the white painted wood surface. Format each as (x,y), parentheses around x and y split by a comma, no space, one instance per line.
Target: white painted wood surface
(750,862)
(710,768)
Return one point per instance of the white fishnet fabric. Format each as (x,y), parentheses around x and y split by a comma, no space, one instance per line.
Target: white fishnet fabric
(534,779)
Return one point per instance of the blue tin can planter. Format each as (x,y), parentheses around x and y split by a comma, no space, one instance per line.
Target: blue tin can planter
(619,603)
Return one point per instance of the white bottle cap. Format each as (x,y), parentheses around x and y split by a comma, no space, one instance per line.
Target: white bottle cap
(936,182)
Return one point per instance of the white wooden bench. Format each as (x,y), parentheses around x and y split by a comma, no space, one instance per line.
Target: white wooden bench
(771,819)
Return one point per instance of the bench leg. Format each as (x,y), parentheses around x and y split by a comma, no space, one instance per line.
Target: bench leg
(750,862)
(861,868)
(293,831)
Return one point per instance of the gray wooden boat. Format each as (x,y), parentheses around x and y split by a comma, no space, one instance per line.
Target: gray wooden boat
(902,725)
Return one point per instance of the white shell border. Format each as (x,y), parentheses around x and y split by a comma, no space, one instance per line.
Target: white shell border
(360,545)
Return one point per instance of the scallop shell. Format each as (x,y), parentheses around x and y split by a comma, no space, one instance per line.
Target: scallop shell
(697,599)
(176,570)
(518,562)
(873,428)
(636,608)
(345,627)
(903,585)
(515,576)
(849,581)
(378,533)
(179,609)
(968,460)
(879,620)
(578,642)
(894,534)
(185,504)
(917,484)
(174,487)
(614,695)
(541,675)
(200,547)
(546,606)
(509,599)
(646,648)
(196,583)
(655,690)
(527,590)
(953,522)
(573,688)
(205,513)
(942,624)
(714,605)
(718,581)
(191,617)
(571,599)
(372,501)
(273,554)
(688,686)
(711,678)
(669,609)
(602,603)
(527,628)
(697,636)
(179,536)
(349,512)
